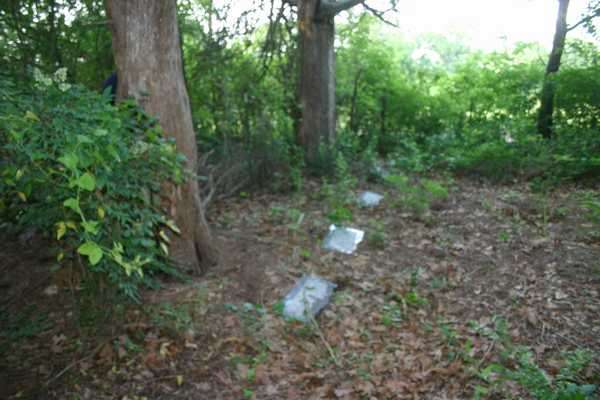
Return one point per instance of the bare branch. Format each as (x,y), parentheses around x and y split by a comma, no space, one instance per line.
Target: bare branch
(585,20)
(380,15)
(220,180)
(329,8)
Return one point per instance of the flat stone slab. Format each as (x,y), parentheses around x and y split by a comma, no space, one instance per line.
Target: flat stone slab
(307,298)
(344,240)
(369,199)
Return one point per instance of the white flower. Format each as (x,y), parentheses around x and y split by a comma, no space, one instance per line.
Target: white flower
(40,78)
(60,75)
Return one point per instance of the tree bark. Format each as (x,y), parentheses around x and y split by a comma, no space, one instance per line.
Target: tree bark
(317,80)
(147,49)
(545,122)
(317,73)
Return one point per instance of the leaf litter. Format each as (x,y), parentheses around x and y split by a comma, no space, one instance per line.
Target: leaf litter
(420,317)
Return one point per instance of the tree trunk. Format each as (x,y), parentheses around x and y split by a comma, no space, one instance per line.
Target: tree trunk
(353,116)
(317,79)
(149,65)
(544,122)
(383,117)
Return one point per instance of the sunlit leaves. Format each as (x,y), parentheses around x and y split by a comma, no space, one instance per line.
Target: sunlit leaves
(69,160)
(164,237)
(31,116)
(73,204)
(90,227)
(61,229)
(87,182)
(171,225)
(92,251)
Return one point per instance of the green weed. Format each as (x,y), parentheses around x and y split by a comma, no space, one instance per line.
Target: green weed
(435,189)
(339,215)
(566,385)
(417,198)
(376,238)
(413,299)
(392,314)
(591,203)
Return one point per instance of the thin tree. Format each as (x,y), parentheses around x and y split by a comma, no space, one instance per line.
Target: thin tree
(147,49)
(544,121)
(545,114)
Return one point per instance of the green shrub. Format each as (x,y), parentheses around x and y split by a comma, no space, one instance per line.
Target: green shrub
(89,175)
(339,215)
(435,189)
(417,198)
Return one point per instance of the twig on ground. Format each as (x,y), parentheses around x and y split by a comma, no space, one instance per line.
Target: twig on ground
(77,362)
(330,350)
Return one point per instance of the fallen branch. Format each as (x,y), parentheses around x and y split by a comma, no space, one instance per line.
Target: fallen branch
(77,362)
(334,358)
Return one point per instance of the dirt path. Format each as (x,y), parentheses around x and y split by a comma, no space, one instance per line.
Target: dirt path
(420,310)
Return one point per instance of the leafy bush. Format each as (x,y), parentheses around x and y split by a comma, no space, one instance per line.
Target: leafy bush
(419,197)
(88,174)
(435,189)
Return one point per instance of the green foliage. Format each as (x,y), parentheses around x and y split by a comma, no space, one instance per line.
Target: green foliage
(419,197)
(591,204)
(376,237)
(242,111)
(168,315)
(338,196)
(58,32)
(539,384)
(424,103)
(87,174)
(392,314)
(519,366)
(474,113)
(251,315)
(412,298)
(434,189)
(339,215)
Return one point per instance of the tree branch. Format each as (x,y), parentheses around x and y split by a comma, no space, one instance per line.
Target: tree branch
(380,15)
(329,8)
(588,18)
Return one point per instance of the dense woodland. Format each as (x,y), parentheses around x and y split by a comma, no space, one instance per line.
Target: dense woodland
(151,229)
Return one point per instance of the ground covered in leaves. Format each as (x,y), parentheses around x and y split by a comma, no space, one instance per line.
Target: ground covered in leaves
(488,283)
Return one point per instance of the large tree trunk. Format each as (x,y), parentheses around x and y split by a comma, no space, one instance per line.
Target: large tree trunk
(149,65)
(317,73)
(544,122)
(317,79)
